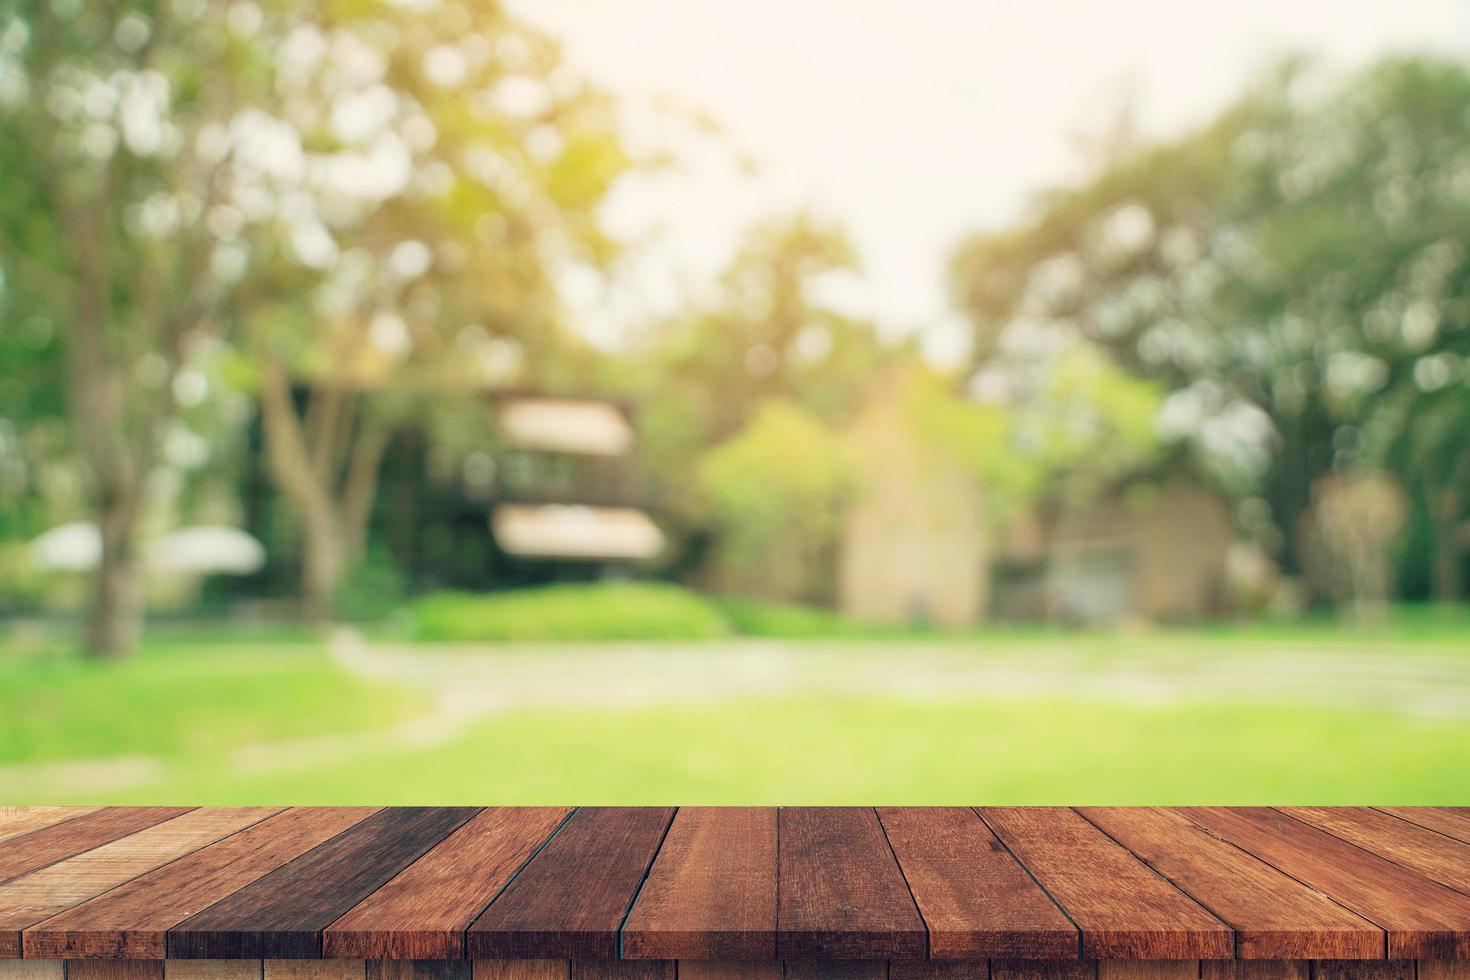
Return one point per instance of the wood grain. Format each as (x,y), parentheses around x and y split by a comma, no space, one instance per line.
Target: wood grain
(315,970)
(1363,970)
(418,970)
(18,820)
(1043,970)
(570,901)
(1442,969)
(423,913)
(1423,918)
(1124,909)
(1274,916)
(45,892)
(132,921)
(935,970)
(842,895)
(115,970)
(32,970)
(623,970)
(1432,854)
(28,852)
(213,970)
(730,970)
(836,970)
(711,894)
(1255,970)
(1147,970)
(521,970)
(282,914)
(1452,821)
(976,901)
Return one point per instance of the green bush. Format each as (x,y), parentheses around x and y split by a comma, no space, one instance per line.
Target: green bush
(601,611)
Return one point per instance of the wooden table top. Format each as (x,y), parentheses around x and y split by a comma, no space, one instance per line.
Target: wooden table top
(894,883)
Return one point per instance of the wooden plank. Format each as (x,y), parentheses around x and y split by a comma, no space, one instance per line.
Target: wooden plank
(730,970)
(571,899)
(1423,918)
(315,970)
(1452,821)
(623,970)
(132,921)
(934,970)
(1363,970)
(422,914)
(24,854)
(836,970)
(976,901)
(711,894)
(1274,916)
(18,820)
(521,970)
(1432,854)
(1148,970)
(213,970)
(32,970)
(1043,970)
(43,893)
(281,915)
(115,970)
(418,970)
(1255,970)
(842,895)
(1443,969)
(1124,909)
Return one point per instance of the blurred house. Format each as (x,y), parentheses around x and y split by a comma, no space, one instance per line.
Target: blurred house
(1153,552)
(568,486)
(916,547)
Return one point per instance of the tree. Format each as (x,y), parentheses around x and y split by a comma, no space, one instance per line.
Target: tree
(336,189)
(1293,273)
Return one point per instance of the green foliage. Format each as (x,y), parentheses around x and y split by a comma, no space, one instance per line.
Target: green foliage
(1293,275)
(776,492)
(372,590)
(570,613)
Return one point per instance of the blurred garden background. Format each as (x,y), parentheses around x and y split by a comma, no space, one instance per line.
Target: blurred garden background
(452,401)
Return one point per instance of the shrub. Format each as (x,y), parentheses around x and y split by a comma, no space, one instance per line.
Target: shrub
(565,613)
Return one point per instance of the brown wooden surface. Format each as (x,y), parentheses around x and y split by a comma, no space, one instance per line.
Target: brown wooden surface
(711,894)
(570,901)
(1255,970)
(131,921)
(423,913)
(1274,916)
(521,970)
(283,914)
(1423,918)
(975,899)
(115,970)
(947,888)
(41,894)
(1428,852)
(1124,909)
(842,895)
(1450,821)
(27,852)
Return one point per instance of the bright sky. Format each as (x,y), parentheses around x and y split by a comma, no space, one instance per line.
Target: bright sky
(913,122)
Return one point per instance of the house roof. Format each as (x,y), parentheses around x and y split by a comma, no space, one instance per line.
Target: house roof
(576,531)
(566,425)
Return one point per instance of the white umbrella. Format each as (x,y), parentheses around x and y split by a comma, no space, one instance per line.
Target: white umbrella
(208,549)
(75,547)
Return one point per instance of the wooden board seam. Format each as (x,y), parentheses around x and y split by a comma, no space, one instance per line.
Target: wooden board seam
(1022,864)
(928,939)
(647,870)
(1304,884)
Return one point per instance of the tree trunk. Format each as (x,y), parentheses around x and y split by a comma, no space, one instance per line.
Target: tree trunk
(115,622)
(1449,585)
(322,565)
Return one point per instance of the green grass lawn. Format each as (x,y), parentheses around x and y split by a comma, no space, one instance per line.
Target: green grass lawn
(200,704)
